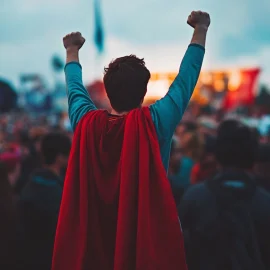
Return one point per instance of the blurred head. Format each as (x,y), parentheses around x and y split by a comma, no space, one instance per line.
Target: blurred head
(192,145)
(125,81)
(184,127)
(36,134)
(55,148)
(236,145)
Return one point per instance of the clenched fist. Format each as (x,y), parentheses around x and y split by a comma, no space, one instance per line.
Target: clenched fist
(199,19)
(73,41)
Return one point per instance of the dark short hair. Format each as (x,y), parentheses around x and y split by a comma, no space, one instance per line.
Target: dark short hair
(125,81)
(54,144)
(236,145)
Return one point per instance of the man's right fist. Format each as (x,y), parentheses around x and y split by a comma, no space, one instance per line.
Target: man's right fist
(199,19)
(73,40)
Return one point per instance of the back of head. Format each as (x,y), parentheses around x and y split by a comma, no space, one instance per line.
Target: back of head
(53,145)
(236,145)
(125,81)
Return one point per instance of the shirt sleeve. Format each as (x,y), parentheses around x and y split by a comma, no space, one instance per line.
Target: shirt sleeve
(168,111)
(79,101)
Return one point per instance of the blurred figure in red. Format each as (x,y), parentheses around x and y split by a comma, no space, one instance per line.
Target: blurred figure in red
(207,165)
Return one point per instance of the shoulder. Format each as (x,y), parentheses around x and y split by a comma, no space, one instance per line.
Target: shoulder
(196,192)
(196,200)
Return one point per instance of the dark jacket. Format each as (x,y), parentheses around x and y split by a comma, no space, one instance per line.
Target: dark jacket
(199,206)
(39,207)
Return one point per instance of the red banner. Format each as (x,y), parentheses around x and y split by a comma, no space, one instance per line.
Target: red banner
(244,93)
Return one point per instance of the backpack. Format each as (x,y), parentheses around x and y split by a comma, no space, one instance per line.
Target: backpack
(227,240)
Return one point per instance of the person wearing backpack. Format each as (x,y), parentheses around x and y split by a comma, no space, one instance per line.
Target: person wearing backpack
(226,219)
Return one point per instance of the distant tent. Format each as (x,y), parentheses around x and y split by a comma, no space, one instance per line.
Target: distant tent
(8,97)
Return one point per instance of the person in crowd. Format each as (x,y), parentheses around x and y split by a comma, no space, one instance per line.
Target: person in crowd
(117,201)
(174,167)
(30,144)
(191,148)
(226,220)
(10,252)
(207,165)
(40,201)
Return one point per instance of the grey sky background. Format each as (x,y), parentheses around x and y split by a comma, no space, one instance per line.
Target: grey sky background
(31,32)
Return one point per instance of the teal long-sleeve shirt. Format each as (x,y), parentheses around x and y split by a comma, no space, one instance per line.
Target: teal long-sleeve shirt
(166,112)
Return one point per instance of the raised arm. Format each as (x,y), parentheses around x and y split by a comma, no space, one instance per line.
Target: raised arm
(79,101)
(168,111)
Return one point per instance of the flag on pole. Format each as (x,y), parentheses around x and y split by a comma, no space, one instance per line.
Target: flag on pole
(244,93)
(98,32)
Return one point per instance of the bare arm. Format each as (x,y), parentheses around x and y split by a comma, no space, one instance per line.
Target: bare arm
(72,55)
(200,21)
(199,36)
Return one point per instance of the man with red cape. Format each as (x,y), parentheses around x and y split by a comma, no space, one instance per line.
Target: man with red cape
(117,211)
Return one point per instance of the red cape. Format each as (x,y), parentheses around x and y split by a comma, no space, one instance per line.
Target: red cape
(117,211)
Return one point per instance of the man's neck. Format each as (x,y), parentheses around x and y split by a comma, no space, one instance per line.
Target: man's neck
(118,113)
(114,112)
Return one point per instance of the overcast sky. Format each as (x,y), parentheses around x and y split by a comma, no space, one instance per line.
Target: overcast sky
(31,32)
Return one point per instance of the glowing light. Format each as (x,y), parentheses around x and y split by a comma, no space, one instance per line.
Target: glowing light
(206,78)
(157,89)
(219,85)
(234,80)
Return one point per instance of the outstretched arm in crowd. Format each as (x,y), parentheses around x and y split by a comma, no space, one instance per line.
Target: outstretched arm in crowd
(168,111)
(79,101)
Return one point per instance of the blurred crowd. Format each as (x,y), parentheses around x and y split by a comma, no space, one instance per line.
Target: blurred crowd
(193,155)
(34,150)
